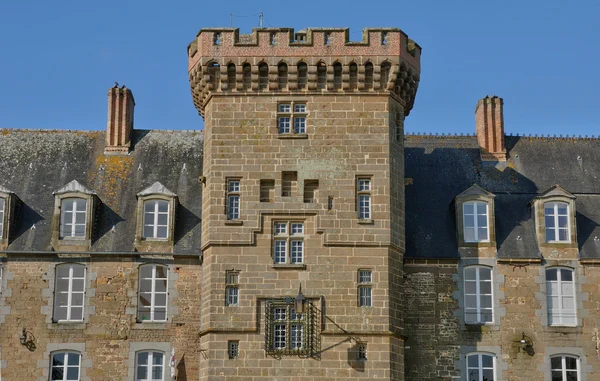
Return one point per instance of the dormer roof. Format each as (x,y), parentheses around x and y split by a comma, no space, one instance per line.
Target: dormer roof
(5,190)
(73,186)
(555,190)
(156,188)
(475,190)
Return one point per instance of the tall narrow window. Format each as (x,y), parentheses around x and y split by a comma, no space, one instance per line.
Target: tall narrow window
(480,367)
(564,368)
(310,191)
(368,76)
(232,288)
(149,366)
(156,219)
(2,203)
(231,77)
(337,75)
(327,38)
(69,292)
(302,75)
(247,76)
(475,220)
(282,76)
(217,38)
(152,303)
(65,366)
(233,199)
(353,83)
(384,36)
(385,75)
(321,75)
(233,349)
(214,73)
(267,190)
(478,295)
(289,181)
(560,295)
(73,218)
(364,198)
(288,242)
(263,76)
(272,39)
(365,288)
(556,216)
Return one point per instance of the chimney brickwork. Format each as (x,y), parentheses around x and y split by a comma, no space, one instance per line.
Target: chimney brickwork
(120,120)
(489,122)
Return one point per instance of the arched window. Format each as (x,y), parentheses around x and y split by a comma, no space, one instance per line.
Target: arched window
(73,217)
(214,72)
(149,366)
(152,291)
(556,218)
(156,219)
(302,75)
(247,76)
(337,75)
(564,368)
(478,295)
(475,221)
(263,76)
(353,76)
(231,76)
(368,76)
(560,296)
(69,292)
(321,75)
(385,74)
(282,77)
(481,367)
(65,366)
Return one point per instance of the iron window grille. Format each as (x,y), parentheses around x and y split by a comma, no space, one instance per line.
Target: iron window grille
(292,118)
(288,332)
(361,352)
(233,349)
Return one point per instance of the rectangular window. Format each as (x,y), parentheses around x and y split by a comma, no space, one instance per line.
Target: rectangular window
(475,221)
(232,288)
(2,203)
(289,181)
(292,118)
(556,217)
(287,330)
(480,367)
(69,292)
(365,288)
(152,302)
(564,368)
(364,198)
(267,190)
(149,366)
(233,349)
(361,352)
(156,219)
(478,295)
(73,218)
(288,242)
(560,296)
(65,366)
(310,191)
(233,199)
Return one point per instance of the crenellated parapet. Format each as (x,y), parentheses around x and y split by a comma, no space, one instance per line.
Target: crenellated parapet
(277,60)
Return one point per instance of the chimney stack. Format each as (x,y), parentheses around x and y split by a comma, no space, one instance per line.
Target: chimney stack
(120,119)
(489,121)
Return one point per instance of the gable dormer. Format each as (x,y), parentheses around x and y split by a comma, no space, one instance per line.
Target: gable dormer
(156,207)
(554,212)
(73,217)
(8,201)
(475,218)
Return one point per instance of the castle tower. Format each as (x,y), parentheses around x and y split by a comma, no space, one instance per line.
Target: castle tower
(303,190)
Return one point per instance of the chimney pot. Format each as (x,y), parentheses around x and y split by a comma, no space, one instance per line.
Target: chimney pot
(120,120)
(489,122)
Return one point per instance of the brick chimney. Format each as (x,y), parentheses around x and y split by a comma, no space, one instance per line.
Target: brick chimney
(489,121)
(120,120)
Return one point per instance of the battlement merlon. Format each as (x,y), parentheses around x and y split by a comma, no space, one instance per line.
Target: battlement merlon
(215,43)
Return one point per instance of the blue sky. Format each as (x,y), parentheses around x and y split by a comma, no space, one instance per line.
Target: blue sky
(58,58)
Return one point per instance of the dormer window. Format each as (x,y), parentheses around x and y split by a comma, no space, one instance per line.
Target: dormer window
(156,219)
(556,218)
(554,212)
(2,203)
(74,208)
(475,217)
(7,207)
(475,220)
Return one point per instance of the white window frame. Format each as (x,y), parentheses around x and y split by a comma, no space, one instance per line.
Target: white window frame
(153,216)
(561,316)
(233,199)
(364,186)
(73,221)
(153,306)
(476,223)
(480,368)
(478,310)
(232,289)
(365,288)
(288,329)
(288,242)
(291,118)
(555,216)
(2,215)
(150,365)
(65,366)
(70,292)
(563,366)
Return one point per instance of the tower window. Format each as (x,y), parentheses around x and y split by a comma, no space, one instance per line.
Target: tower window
(233,199)
(365,288)
(292,118)
(232,288)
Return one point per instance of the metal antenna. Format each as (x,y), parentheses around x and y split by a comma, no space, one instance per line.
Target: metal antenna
(260,20)
(231,20)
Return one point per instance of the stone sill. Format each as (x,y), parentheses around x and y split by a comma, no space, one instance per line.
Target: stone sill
(297,266)
(234,222)
(152,325)
(63,325)
(366,222)
(563,329)
(292,136)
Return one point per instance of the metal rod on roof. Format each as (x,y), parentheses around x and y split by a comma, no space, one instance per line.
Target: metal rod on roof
(260,20)
(231,19)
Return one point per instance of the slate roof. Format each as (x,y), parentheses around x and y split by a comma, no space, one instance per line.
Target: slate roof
(442,167)
(35,163)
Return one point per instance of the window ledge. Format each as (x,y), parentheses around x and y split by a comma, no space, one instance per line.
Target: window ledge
(292,136)
(564,329)
(366,221)
(152,325)
(234,222)
(289,266)
(67,325)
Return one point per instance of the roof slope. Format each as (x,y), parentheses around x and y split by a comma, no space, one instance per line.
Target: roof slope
(33,164)
(441,167)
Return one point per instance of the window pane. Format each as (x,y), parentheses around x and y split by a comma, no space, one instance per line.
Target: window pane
(76,313)
(485,273)
(556,363)
(157,373)
(486,315)
(161,271)
(160,299)
(550,236)
(562,209)
(469,221)
(77,285)
(549,220)
(488,374)
(157,358)
(161,232)
(566,275)
(62,284)
(471,301)
(160,314)
(473,375)
(469,208)
(562,235)
(485,301)
(482,221)
(485,287)
(73,373)
(79,230)
(469,234)
(80,205)
(142,373)
(148,231)
(557,376)
(571,362)
(572,376)
(482,234)
(77,298)
(470,273)
(57,374)
(562,221)
(142,358)
(145,286)
(551,274)
(58,359)
(149,207)
(161,285)
(67,205)
(487,361)
(145,299)
(481,208)
(470,287)
(163,206)
(145,271)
